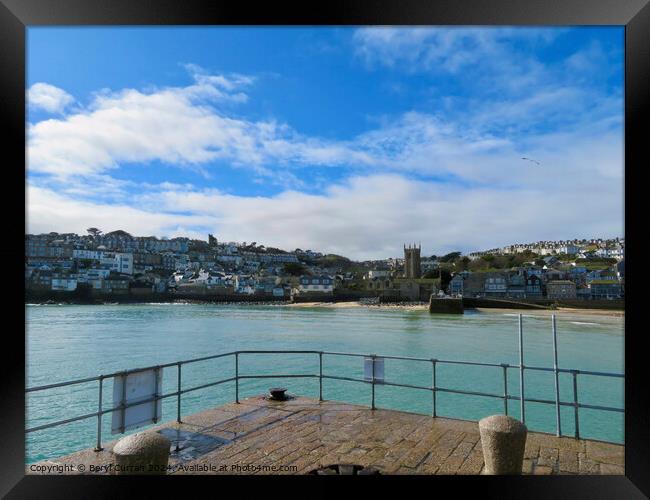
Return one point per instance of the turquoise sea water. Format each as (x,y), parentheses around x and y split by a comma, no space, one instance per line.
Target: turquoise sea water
(70,342)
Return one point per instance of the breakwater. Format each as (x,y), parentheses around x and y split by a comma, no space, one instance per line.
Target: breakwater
(473,302)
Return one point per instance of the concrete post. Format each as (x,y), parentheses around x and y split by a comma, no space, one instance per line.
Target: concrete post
(142,453)
(503,440)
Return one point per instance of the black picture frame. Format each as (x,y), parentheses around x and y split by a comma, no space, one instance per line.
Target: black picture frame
(16,15)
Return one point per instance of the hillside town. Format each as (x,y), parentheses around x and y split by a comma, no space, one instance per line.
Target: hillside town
(116,264)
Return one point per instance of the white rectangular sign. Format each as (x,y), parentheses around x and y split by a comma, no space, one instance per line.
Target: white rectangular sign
(379,369)
(132,388)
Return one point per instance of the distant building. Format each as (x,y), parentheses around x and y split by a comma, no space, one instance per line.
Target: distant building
(323,284)
(378,273)
(456,285)
(64,284)
(412,269)
(561,289)
(605,289)
(495,284)
(415,289)
(620,269)
(533,285)
(568,249)
(517,285)
(474,285)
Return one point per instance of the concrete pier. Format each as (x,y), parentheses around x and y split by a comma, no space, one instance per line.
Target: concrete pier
(258,436)
(446,305)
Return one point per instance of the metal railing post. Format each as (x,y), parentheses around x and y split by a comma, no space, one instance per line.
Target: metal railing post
(433,385)
(521,370)
(320,376)
(123,405)
(98,447)
(178,400)
(156,396)
(575,402)
(557,380)
(505,388)
(237,377)
(373,381)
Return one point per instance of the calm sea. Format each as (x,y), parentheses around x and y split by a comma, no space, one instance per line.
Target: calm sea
(70,342)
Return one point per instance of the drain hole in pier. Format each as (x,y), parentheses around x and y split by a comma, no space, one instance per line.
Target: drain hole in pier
(190,445)
(345,470)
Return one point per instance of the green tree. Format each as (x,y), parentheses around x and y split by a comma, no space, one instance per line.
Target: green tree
(295,269)
(449,257)
(445,278)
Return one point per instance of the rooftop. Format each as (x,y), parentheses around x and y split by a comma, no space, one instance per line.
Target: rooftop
(305,434)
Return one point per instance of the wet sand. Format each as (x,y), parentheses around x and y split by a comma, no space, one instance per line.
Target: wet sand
(411,307)
(562,311)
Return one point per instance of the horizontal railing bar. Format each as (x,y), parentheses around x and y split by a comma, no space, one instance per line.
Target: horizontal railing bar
(349,379)
(299,375)
(204,358)
(350,354)
(61,422)
(402,358)
(278,352)
(469,393)
(579,372)
(125,372)
(604,408)
(475,363)
(408,386)
(62,384)
(567,403)
(204,386)
(595,374)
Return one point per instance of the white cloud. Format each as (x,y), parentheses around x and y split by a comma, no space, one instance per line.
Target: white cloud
(453,179)
(52,211)
(363,217)
(443,49)
(48,97)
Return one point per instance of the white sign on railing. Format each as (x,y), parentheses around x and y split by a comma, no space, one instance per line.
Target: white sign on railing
(132,388)
(379,369)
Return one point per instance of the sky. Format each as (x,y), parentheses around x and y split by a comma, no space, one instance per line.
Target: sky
(346,140)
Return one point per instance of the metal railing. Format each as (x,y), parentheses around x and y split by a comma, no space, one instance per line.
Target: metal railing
(434,388)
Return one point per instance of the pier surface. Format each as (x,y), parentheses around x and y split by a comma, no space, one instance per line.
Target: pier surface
(258,436)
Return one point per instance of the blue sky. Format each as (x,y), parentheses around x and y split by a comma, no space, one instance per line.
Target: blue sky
(346,140)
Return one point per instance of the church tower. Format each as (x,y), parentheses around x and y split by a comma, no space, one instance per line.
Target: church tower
(412,262)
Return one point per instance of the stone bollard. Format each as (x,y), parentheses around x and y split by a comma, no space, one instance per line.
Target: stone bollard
(142,453)
(503,440)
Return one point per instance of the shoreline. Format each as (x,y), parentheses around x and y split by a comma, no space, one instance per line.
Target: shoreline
(561,311)
(406,306)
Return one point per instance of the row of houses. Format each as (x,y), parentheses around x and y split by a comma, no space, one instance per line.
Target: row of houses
(220,283)
(527,285)
(604,248)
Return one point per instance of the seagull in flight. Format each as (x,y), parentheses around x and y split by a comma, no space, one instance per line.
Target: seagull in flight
(534,161)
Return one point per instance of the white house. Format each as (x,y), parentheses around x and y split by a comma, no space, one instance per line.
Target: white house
(323,284)
(87,254)
(568,249)
(378,273)
(119,262)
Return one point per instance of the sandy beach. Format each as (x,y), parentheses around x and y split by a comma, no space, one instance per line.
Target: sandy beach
(562,311)
(357,304)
